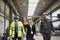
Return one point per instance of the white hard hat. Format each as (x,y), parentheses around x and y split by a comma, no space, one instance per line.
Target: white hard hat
(45,13)
(29,18)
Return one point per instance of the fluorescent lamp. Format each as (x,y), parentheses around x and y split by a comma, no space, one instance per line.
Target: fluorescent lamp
(32,6)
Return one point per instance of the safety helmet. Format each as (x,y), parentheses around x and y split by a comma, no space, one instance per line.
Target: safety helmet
(29,18)
(46,14)
(17,16)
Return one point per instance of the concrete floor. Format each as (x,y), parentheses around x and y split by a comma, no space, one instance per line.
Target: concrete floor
(52,38)
(39,37)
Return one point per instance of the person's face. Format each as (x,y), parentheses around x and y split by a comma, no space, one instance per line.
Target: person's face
(44,17)
(30,20)
(24,19)
(17,17)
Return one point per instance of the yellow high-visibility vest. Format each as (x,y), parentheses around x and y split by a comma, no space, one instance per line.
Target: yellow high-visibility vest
(20,29)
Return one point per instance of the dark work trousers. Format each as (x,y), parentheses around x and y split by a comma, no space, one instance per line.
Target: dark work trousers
(16,37)
(47,36)
(30,37)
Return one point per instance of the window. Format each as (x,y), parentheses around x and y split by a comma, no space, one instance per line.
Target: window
(55,19)
(54,15)
(37,25)
(56,24)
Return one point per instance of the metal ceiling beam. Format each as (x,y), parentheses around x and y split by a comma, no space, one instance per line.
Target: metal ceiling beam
(40,13)
(22,9)
(10,4)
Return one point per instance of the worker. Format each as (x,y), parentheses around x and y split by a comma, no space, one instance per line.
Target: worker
(46,27)
(7,33)
(16,28)
(31,31)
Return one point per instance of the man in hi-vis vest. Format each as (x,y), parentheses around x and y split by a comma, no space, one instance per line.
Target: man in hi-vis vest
(16,29)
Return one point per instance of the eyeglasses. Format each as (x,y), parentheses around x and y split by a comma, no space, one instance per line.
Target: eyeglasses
(29,19)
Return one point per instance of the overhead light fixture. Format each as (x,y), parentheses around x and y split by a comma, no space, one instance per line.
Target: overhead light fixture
(32,6)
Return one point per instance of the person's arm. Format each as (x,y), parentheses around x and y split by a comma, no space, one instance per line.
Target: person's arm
(23,29)
(34,32)
(26,27)
(10,31)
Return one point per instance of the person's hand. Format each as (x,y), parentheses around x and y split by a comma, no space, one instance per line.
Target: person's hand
(53,33)
(25,33)
(41,34)
(34,36)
